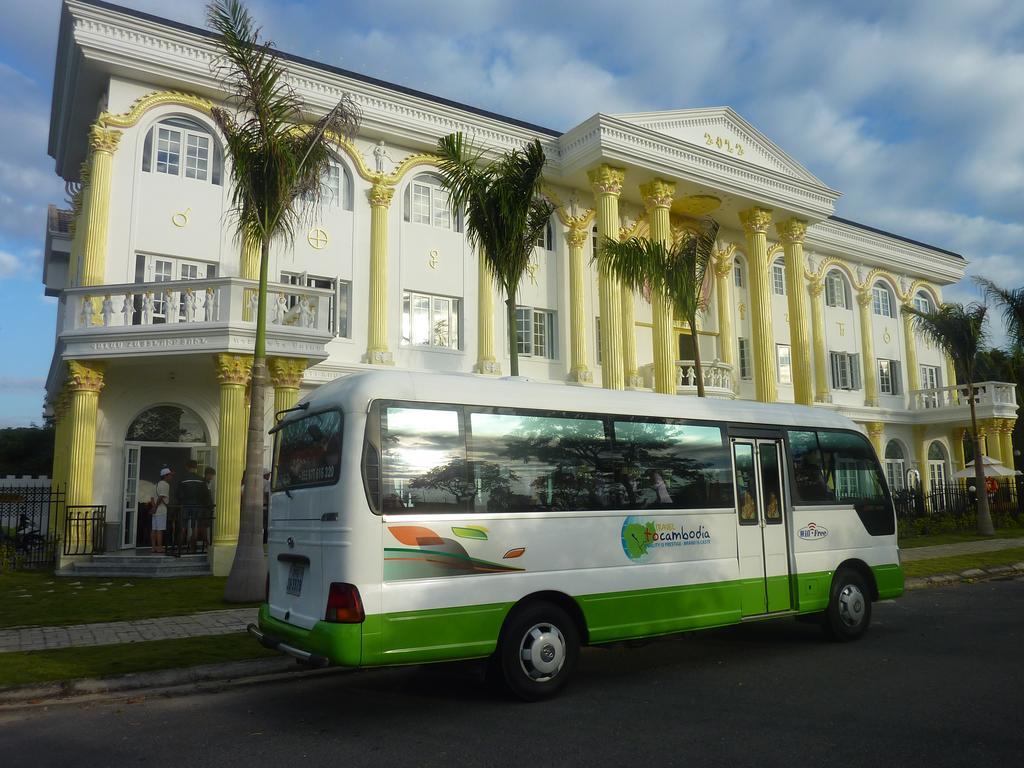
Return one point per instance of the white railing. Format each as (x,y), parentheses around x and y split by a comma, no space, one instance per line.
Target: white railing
(223,300)
(985,393)
(718,378)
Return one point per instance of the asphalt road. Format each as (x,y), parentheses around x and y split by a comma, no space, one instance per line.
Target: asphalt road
(938,680)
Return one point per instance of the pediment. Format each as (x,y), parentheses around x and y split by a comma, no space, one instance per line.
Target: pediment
(720,129)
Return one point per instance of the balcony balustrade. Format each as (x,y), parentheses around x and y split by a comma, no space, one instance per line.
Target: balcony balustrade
(718,378)
(992,399)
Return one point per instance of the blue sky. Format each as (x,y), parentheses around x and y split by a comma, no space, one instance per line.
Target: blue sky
(913,110)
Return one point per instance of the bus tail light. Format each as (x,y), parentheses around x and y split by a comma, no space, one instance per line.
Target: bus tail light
(344,606)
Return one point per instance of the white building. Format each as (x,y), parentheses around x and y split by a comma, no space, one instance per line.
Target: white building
(155,320)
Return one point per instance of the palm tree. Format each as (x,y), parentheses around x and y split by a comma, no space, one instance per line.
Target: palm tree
(505,213)
(277,164)
(1012,302)
(677,271)
(960,332)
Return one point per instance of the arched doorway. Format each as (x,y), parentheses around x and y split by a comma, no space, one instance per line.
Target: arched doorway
(895,466)
(162,435)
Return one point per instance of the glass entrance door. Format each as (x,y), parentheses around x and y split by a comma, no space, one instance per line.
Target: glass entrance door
(761,526)
(131,495)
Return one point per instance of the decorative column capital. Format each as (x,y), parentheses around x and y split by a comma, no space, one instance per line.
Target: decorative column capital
(756,220)
(234,369)
(722,260)
(85,376)
(875,428)
(791,231)
(816,286)
(658,193)
(103,139)
(607,180)
(286,372)
(864,297)
(576,235)
(380,195)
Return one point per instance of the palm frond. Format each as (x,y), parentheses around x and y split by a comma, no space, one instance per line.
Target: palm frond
(957,330)
(1012,303)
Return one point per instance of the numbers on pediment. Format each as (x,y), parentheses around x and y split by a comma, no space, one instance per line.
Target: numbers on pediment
(724,145)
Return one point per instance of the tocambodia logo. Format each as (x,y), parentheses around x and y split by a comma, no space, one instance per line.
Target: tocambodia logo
(641,539)
(813,531)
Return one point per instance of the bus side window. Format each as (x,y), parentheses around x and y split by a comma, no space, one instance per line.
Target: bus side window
(746,484)
(424,460)
(809,469)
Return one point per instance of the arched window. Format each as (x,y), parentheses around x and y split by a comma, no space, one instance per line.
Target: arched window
(737,273)
(882,301)
(167,424)
(546,239)
(922,302)
(837,290)
(426,202)
(181,146)
(895,466)
(936,465)
(779,278)
(336,187)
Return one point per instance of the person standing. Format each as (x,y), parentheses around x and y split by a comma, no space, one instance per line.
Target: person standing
(163,497)
(194,497)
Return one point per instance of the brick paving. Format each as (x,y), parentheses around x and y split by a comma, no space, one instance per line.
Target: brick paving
(116,632)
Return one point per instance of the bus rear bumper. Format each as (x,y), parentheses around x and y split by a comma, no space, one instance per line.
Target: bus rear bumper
(325,643)
(308,658)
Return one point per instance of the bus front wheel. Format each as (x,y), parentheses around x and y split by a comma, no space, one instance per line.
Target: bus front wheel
(537,651)
(849,606)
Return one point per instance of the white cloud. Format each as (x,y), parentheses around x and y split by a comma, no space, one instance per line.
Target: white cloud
(9,265)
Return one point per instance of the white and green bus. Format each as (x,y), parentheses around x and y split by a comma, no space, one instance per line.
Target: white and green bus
(426,517)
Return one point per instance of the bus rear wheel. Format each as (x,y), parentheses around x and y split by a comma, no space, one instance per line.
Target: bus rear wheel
(849,607)
(537,651)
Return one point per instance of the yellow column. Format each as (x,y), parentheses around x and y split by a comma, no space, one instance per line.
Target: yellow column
(576,237)
(286,376)
(913,369)
(607,184)
(85,380)
(755,225)
(377,349)
(816,287)
(723,266)
(233,372)
(993,441)
(956,440)
(94,258)
(657,196)
(867,345)
(486,360)
(630,371)
(79,228)
(875,431)
(249,268)
(1006,444)
(921,451)
(791,232)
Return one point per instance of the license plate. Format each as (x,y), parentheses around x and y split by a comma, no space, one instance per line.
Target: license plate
(295,574)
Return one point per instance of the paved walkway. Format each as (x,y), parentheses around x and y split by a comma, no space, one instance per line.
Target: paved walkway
(115,632)
(963,548)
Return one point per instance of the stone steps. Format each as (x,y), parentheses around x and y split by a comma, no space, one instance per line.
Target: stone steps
(137,566)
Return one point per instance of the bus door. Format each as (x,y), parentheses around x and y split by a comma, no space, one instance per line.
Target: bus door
(761,525)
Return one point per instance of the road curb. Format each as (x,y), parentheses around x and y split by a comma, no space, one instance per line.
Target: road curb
(164,681)
(967,576)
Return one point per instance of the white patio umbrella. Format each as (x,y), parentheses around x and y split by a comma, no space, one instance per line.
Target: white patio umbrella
(993,468)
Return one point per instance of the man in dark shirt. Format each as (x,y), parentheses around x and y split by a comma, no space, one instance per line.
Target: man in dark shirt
(194,497)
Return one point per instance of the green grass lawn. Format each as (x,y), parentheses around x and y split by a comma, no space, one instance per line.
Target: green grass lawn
(956,537)
(42,599)
(112,660)
(958,563)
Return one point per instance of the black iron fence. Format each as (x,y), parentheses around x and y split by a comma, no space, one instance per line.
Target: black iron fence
(85,528)
(29,522)
(954,505)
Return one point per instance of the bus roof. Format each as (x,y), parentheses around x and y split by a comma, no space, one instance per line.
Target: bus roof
(355,392)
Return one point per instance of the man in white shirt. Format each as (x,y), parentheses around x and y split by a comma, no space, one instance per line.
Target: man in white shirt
(163,497)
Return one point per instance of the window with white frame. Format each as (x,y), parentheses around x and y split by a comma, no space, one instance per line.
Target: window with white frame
(427,202)
(881,301)
(784,363)
(180,146)
(836,294)
(535,332)
(340,302)
(889,377)
(737,273)
(930,380)
(744,354)
(430,321)
(546,239)
(336,187)
(151,268)
(779,278)
(847,479)
(922,303)
(845,370)
(895,466)
(936,465)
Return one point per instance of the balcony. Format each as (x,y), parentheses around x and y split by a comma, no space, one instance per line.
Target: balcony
(992,399)
(718,378)
(193,316)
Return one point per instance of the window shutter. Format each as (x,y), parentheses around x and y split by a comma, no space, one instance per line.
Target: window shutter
(894,366)
(855,380)
(835,369)
(147,151)
(407,202)
(830,291)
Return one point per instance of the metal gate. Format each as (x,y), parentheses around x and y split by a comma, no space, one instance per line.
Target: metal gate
(29,520)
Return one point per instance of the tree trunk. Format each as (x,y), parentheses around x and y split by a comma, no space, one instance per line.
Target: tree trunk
(247,579)
(696,357)
(513,334)
(985,527)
